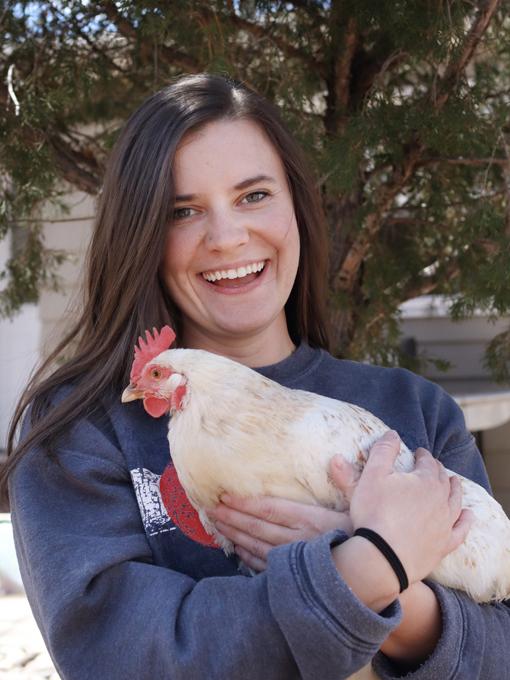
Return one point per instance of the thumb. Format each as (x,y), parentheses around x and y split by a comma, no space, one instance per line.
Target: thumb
(384,453)
(344,475)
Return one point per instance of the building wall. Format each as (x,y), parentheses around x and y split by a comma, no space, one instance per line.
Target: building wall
(497,459)
(19,352)
(462,344)
(32,334)
(71,233)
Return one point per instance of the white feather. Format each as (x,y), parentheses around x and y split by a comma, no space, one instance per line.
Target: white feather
(245,434)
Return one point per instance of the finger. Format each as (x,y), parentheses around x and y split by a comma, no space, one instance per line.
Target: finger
(278,511)
(425,462)
(255,546)
(268,508)
(258,528)
(460,529)
(250,525)
(455,498)
(297,521)
(259,506)
(251,561)
(444,475)
(383,454)
(343,475)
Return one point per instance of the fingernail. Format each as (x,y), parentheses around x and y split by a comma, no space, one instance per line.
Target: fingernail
(391,434)
(225,498)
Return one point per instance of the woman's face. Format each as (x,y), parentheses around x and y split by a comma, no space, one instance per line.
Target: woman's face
(233,247)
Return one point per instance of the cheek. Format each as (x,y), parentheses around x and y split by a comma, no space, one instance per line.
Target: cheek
(179,250)
(290,247)
(284,229)
(174,253)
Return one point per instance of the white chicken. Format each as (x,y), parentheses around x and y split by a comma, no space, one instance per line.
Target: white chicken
(278,441)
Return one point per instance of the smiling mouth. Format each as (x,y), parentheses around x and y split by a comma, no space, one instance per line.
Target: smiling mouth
(235,277)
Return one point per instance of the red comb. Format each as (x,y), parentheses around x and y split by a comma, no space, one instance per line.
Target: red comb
(149,349)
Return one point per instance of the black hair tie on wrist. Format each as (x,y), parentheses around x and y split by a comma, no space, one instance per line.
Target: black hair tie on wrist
(388,553)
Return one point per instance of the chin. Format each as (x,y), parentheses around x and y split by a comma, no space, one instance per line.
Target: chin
(240,323)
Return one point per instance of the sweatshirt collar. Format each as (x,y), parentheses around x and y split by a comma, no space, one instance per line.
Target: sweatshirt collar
(294,366)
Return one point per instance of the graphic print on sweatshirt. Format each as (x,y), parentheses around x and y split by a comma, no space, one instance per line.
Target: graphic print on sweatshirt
(164,505)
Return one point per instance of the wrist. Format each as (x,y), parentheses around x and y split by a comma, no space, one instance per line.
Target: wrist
(367,573)
(420,629)
(388,552)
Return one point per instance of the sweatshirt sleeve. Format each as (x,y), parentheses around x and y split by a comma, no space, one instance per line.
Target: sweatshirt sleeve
(473,644)
(474,639)
(106,611)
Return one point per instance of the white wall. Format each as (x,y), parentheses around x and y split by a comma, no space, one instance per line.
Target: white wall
(486,405)
(71,233)
(496,443)
(462,343)
(19,352)
(33,332)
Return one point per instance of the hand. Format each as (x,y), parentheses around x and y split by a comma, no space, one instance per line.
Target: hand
(256,525)
(419,513)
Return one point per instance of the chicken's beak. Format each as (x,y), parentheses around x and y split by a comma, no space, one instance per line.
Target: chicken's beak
(131,393)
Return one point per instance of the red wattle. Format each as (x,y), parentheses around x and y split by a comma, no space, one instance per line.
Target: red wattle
(180,510)
(155,407)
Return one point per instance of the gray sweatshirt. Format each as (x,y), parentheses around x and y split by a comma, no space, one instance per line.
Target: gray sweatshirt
(120,591)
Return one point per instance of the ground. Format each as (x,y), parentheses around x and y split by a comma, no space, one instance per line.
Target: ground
(23,655)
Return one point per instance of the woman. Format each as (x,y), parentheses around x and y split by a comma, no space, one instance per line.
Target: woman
(208,219)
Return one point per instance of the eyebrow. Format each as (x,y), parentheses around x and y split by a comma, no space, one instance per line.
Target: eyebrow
(241,185)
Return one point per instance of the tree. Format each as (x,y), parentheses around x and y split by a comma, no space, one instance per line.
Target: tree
(402,107)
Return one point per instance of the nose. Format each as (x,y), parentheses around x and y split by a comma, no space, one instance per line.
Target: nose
(226,231)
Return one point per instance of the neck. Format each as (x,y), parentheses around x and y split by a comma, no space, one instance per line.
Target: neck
(261,349)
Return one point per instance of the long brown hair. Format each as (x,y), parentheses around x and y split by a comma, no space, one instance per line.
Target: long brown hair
(124,292)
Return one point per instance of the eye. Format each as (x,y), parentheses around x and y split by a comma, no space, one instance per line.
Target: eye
(183,213)
(155,373)
(255,197)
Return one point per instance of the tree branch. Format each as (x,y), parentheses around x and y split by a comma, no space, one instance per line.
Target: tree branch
(70,163)
(342,66)
(345,278)
(265,33)
(503,162)
(78,166)
(427,285)
(167,54)
(506,174)
(339,68)
(447,272)
(93,45)
(372,72)
(475,34)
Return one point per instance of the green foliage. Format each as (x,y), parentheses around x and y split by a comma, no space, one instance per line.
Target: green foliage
(30,269)
(498,357)
(405,127)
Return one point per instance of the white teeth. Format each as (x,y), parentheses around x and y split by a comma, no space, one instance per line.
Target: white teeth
(234,273)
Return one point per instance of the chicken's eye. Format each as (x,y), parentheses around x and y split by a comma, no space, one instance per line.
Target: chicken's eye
(156,373)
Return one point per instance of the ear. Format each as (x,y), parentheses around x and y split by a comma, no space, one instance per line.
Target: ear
(156,407)
(177,397)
